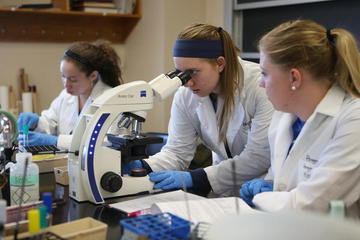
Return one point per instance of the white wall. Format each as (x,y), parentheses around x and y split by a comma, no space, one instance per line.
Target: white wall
(41,62)
(153,40)
(146,53)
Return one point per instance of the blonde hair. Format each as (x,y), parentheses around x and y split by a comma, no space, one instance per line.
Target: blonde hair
(231,78)
(332,54)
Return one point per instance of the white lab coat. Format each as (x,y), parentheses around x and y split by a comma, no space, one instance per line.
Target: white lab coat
(324,162)
(193,116)
(62,116)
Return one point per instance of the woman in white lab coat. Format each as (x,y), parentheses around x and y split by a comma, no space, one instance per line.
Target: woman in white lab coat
(312,77)
(223,105)
(87,70)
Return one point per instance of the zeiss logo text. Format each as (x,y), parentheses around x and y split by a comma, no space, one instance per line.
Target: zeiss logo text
(143,93)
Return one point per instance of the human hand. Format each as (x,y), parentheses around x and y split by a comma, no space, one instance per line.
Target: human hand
(251,188)
(29,119)
(36,138)
(170,179)
(131,165)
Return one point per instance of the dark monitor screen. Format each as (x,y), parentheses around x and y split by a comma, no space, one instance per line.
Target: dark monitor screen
(331,14)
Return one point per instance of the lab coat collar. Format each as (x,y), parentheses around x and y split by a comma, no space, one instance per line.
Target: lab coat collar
(330,105)
(208,117)
(98,90)
(283,139)
(236,121)
(208,120)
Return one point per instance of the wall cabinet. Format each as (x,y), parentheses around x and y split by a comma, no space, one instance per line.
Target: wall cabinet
(32,25)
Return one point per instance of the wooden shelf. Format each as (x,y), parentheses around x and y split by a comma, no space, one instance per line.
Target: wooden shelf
(29,25)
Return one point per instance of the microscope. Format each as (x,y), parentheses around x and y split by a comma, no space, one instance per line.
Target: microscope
(95,166)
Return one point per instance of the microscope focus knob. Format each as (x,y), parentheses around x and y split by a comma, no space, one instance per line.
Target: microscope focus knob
(111,182)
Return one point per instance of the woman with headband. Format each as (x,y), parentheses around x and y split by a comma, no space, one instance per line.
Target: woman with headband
(312,77)
(87,70)
(224,106)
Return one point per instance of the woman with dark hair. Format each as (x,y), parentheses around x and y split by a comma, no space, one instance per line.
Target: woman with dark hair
(87,70)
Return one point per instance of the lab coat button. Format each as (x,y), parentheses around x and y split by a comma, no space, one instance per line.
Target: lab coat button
(282,187)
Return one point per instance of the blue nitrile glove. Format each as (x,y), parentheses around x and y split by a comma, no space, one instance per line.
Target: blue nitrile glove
(30,119)
(131,165)
(170,179)
(36,138)
(251,188)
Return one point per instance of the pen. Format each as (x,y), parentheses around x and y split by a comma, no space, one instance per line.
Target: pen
(139,212)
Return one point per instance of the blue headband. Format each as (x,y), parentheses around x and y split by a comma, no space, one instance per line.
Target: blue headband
(198,48)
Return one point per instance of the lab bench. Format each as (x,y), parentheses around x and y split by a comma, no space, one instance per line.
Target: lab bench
(67,209)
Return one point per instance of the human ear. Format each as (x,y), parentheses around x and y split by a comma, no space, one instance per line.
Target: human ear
(221,62)
(94,76)
(295,78)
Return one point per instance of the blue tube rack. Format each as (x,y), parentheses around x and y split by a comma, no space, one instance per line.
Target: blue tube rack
(156,227)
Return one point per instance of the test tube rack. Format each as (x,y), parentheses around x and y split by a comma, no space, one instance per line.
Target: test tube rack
(156,227)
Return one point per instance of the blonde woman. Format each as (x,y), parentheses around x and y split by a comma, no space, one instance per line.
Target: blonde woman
(312,77)
(223,105)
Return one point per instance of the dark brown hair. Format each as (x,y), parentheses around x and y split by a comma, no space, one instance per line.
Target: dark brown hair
(99,56)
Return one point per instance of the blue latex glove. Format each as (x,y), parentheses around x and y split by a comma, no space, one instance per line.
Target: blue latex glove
(36,138)
(30,119)
(131,165)
(251,188)
(169,179)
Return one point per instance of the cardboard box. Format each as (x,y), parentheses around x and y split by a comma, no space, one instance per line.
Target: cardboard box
(82,229)
(47,163)
(62,175)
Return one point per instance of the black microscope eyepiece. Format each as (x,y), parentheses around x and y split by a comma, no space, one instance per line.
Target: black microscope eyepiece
(184,77)
(172,74)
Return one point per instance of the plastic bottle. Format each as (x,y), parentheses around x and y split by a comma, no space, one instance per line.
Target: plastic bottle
(337,208)
(31,187)
(2,218)
(34,221)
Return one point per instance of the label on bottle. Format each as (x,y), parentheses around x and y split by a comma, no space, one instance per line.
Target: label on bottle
(31,189)
(17,180)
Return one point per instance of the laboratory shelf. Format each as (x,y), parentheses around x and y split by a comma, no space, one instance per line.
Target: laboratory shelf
(32,25)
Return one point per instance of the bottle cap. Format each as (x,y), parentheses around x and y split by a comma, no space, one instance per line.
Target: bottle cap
(42,210)
(34,221)
(21,156)
(47,201)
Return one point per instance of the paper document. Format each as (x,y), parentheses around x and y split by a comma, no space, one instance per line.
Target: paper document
(203,210)
(146,202)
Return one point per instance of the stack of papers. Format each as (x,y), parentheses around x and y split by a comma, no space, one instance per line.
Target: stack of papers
(145,203)
(195,209)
